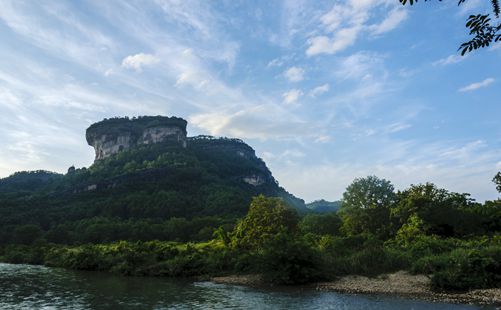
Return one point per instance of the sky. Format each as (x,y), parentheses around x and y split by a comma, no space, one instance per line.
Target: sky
(324,91)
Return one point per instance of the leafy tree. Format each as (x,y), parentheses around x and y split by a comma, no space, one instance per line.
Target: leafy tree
(320,224)
(440,210)
(366,206)
(497,181)
(266,218)
(368,192)
(27,234)
(410,230)
(483,29)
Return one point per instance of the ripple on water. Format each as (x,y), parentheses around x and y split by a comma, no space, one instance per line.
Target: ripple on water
(38,287)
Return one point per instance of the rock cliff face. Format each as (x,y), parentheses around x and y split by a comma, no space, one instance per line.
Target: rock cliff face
(112,136)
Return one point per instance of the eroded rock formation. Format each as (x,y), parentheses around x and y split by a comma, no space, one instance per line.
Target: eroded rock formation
(112,136)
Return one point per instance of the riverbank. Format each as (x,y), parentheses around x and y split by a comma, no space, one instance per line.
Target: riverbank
(399,283)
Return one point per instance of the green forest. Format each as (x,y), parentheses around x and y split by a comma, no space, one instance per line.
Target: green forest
(160,210)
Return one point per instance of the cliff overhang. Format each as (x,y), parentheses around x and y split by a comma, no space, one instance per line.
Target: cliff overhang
(114,135)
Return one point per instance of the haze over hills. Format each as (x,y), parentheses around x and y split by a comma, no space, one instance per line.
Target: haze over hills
(324,206)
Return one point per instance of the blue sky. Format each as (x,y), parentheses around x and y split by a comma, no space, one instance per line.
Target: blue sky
(325,91)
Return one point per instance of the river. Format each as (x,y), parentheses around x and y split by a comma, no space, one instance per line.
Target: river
(38,287)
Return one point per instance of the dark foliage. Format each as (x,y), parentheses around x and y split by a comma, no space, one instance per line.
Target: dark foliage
(481,26)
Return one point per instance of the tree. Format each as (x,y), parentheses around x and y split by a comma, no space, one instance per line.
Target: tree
(368,192)
(441,211)
(267,217)
(27,234)
(366,206)
(483,29)
(497,181)
(320,224)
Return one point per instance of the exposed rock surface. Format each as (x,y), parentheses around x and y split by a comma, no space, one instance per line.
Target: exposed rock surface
(413,286)
(254,180)
(230,159)
(112,136)
(399,283)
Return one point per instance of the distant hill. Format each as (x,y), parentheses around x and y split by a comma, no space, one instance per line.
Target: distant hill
(149,181)
(28,180)
(324,206)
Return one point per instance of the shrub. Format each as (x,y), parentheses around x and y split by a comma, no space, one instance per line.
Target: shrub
(468,269)
(287,260)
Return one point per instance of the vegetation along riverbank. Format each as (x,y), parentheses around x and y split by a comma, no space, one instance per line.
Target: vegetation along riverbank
(175,206)
(284,248)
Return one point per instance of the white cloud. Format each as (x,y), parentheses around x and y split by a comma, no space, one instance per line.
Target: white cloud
(264,122)
(195,16)
(277,62)
(477,85)
(287,157)
(394,19)
(292,96)
(296,17)
(294,74)
(41,23)
(396,127)
(466,168)
(345,22)
(325,45)
(449,60)
(323,139)
(361,66)
(319,90)
(138,61)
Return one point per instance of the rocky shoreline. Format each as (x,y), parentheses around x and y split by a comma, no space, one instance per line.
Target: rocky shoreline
(399,283)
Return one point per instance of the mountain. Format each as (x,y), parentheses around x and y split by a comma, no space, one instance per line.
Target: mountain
(28,181)
(323,206)
(148,181)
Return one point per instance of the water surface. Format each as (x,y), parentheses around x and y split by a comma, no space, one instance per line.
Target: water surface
(38,287)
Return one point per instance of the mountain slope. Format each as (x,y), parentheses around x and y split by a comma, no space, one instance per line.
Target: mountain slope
(323,206)
(141,192)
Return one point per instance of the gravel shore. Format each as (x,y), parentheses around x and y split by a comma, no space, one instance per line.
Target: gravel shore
(400,283)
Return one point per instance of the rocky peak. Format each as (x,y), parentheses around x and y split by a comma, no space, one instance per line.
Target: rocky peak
(114,135)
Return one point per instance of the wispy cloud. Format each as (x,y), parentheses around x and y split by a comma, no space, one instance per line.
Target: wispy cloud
(449,60)
(41,24)
(138,61)
(361,66)
(477,85)
(297,17)
(345,22)
(264,122)
(323,139)
(277,62)
(64,66)
(292,96)
(394,18)
(319,90)
(463,168)
(396,127)
(294,74)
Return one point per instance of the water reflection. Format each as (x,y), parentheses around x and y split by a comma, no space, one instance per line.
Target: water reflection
(35,287)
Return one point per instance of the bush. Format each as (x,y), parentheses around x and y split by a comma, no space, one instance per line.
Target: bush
(24,254)
(468,269)
(430,264)
(288,260)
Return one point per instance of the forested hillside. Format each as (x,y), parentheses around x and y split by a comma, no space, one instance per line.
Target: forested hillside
(158,191)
